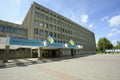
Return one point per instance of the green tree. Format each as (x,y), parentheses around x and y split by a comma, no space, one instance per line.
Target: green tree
(118,45)
(104,44)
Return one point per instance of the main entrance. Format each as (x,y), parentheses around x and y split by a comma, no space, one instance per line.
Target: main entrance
(46,53)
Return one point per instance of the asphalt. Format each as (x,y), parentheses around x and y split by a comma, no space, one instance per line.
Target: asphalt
(92,67)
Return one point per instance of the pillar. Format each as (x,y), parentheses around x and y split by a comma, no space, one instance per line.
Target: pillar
(40,53)
(31,53)
(5,55)
(60,52)
(72,52)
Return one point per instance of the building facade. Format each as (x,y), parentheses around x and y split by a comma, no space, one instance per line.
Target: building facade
(41,22)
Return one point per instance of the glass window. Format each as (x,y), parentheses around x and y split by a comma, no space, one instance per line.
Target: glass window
(46,18)
(14,30)
(58,36)
(2,28)
(63,29)
(23,31)
(51,33)
(39,32)
(54,34)
(41,16)
(45,25)
(19,31)
(36,14)
(50,19)
(54,27)
(35,31)
(36,22)
(41,24)
(8,29)
(46,33)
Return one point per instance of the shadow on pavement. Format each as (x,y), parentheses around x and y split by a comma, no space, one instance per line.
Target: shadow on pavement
(31,61)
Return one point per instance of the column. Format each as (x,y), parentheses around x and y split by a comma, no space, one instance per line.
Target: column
(31,53)
(72,52)
(5,55)
(39,53)
(60,52)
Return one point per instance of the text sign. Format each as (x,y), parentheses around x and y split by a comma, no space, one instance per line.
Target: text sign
(17,41)
(55,45)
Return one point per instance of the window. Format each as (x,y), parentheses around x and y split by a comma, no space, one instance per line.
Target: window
(54,20)
(14,30)
(45,25)
(63,30)
(54,27)
(54,34)
(36,22)
(2,28)
(50,26)
(51,33)
(23,31)
(35,31)
(58,35)
(58,28)
(46,33)
(36,14)
(46,18)
(8,29)
(19,31)
(50,19)
(41,16)
(41,24)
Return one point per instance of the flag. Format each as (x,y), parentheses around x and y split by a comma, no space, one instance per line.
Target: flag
(50,39)
(71,42)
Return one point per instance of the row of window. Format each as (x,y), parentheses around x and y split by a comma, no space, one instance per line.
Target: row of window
(59,41)
(53,15)
(52,27)
(51,19)
(53,34)
(11,29)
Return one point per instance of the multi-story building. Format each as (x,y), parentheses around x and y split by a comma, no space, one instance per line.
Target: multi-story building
(41,22)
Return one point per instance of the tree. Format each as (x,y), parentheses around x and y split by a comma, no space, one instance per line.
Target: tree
(118,45)
(104,44)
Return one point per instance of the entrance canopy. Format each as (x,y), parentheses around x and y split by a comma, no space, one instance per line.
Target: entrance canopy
(25,43)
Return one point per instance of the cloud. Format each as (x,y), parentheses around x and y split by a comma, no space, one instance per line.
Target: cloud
(17,22)
(91,26)
(84,18)
(114,21)
(114,42)
(104,18)
(114,32)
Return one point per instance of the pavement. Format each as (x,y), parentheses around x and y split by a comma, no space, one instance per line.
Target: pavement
(92,67)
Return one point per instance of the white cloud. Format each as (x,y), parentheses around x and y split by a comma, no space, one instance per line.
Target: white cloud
(90,26)
(17,22)
(113,33)
(114,42)
(114,21)
(84,18)
(104,18)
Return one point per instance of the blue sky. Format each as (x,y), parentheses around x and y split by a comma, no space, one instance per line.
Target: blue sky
(100,16)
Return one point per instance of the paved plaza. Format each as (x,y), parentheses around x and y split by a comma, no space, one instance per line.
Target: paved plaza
(93,67)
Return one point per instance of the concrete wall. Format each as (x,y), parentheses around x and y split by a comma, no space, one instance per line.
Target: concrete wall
(20,53)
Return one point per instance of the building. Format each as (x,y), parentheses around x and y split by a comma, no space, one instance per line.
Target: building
(41,22)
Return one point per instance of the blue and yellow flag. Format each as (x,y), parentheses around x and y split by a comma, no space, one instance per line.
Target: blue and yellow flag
(71,42)
(50,39)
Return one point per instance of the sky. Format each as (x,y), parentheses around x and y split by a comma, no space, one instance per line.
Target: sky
(99,16)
